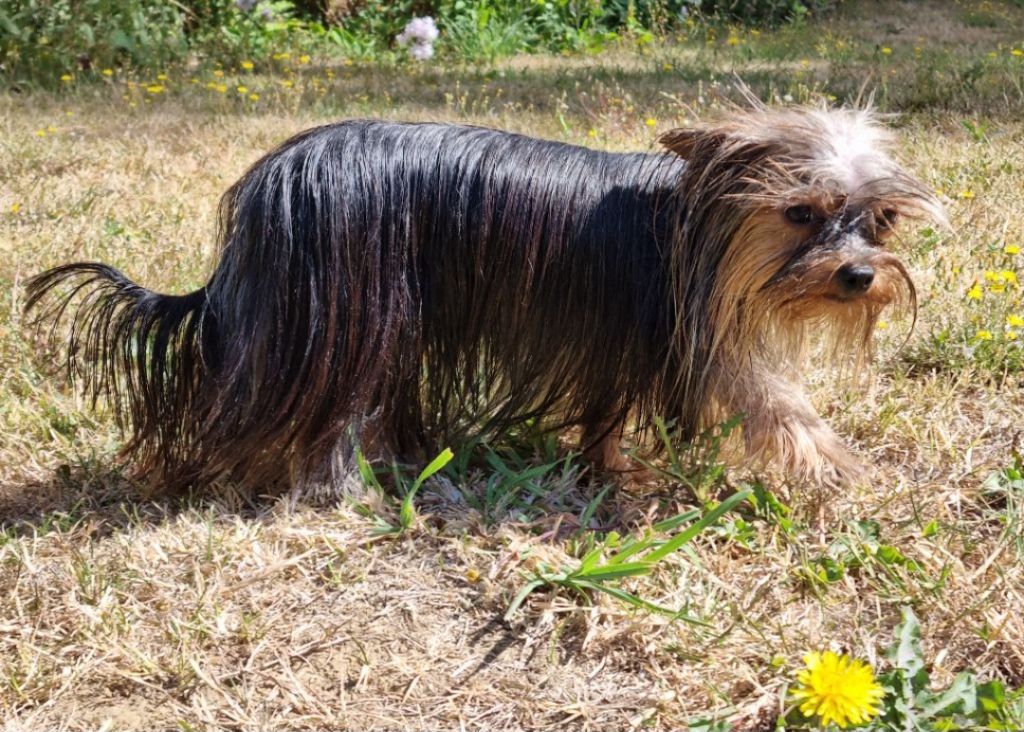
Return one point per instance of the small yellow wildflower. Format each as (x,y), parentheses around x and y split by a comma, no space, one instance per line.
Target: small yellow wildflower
(666,67)
(218,73)
(990,276)
(1017,52)
(66,78)
(1011,249)
(247,65)
(280,56)
(983,335)
(1008,276)
(805,63)
(51,129)
(882,324)
(155,88)
(108,72)
(254,97)
(40,133)
(837,689)
(992,54)
(161,77)
(472,575)
(1011,335)
(1015,321)
(304,59)
(222,88)
(650,122)
(15,207)
(591,132)
(242,89)
(287,83)
(886,50)
(975,292)
(733,41)
(967,195)
(997,287)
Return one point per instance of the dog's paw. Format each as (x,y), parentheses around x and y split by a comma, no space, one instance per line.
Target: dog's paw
(808,451)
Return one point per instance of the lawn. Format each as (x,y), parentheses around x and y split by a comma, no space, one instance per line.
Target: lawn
(127,610)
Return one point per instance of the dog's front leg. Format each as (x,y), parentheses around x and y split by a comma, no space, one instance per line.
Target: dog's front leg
(782,425)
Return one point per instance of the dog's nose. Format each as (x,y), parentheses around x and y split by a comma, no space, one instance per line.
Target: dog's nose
(855,278)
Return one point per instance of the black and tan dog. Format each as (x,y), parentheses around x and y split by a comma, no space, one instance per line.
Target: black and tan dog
(410,285)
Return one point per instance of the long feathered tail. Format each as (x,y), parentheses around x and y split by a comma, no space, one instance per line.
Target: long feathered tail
(144,351)
(262,372)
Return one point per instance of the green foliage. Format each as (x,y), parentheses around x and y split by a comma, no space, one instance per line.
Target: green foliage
(966,704)
(696,464)
(53,37)
(764,12)
(406,509)
(615,559)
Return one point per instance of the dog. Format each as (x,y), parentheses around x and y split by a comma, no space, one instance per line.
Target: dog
(411,286)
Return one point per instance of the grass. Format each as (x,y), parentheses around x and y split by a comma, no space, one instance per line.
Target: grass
(225,611)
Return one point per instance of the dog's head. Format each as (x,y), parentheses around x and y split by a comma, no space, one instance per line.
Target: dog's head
(793,214)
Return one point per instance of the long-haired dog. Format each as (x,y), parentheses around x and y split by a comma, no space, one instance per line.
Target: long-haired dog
(408,286)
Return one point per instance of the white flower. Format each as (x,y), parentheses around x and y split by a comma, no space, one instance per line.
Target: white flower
(421,51)
(419,30)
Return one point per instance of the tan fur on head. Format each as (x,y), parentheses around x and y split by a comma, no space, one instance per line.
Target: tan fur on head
(791,213)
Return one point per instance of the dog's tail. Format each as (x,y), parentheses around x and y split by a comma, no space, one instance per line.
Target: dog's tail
(144,351)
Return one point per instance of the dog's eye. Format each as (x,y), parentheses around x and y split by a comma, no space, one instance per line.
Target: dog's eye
(887,218)
(800,214)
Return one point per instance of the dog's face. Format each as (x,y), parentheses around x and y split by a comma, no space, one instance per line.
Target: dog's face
(812,204)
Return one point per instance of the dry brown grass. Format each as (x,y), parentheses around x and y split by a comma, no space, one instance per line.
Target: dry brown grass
(225,613)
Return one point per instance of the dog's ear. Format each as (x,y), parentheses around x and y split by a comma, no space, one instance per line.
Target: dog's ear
(685,141)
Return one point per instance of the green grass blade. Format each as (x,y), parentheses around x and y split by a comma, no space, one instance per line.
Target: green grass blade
(691,531)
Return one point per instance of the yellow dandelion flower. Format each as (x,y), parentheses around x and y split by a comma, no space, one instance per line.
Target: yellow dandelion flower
(304,59)
(280,56)
(975,292)
(997,287)
(1008,276)
(992,54)
(990,276)
(222,88)
(1011,249)
(218,73)
(1011,335)
(1017,52)
(650,122)
(666,67)
(108,72)
(837,689)
(882,324)
(983,335)
(591,132)
(967,195)
(886,50)
(15,207)
(805,63)
(287,83)
(254,97)
(242,89)
(40,133)
(472,575)
(161,77)
(1015,321)
(733,41)
(247,65)
(155,88)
